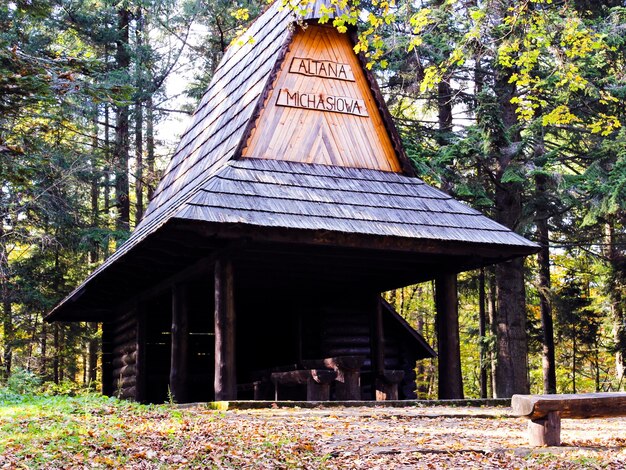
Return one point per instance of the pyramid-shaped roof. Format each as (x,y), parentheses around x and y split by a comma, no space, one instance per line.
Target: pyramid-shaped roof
(215,177)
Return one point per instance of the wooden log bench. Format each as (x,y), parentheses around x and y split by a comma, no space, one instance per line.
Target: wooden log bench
(545,412)
(317,382)
(348,369)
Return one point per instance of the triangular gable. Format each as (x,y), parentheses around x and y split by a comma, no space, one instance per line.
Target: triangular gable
(321,108)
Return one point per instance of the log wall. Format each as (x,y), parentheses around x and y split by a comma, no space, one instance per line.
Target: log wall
(346,331)
(124,356)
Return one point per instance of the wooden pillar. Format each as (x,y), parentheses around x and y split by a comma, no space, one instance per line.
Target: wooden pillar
(300,334)
(180,337)
(141,369)
(447,323)
(225,373)
(377,346)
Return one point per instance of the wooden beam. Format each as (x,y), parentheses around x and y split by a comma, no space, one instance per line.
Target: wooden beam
(203,265)
(447,324)
(225,372)
(475,254)
(180,337)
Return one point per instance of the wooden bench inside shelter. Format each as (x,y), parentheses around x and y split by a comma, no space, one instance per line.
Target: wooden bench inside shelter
(348,380)
(342,371)
(545,412)
(317,382)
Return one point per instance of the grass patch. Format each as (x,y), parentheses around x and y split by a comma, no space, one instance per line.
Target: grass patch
(96,431)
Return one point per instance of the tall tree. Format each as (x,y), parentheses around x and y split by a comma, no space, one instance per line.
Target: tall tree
(122,141)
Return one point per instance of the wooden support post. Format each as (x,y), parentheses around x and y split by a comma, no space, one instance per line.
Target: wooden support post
(300,334)
(447,323)
(377,340)
(545,431)
(225,372)
(180,338)
(140,364)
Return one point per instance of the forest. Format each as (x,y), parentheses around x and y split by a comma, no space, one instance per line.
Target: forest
(514,107)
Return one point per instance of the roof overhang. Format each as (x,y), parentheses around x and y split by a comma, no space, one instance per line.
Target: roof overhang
(186,249)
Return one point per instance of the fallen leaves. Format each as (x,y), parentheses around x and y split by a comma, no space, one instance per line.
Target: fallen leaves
(100,433)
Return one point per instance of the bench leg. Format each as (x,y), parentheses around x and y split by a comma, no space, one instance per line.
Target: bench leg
(316,391)
(348,385)
(386,391)
(545,431)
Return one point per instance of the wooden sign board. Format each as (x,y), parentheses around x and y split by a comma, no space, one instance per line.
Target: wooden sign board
(322,69)
(321,102)
(320,108)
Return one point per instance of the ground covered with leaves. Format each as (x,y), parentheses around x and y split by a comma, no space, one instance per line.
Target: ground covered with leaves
(95,432)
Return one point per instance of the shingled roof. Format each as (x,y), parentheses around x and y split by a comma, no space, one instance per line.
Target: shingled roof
(207,179)
(274,193)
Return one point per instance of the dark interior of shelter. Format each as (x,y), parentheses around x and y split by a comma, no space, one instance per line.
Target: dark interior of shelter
(285,322)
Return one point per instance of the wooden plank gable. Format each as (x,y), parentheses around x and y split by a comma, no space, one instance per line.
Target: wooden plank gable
(321,108)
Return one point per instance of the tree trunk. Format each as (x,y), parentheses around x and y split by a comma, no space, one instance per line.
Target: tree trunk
(7,323)
(140,84)
(32,341)
(616,295)
(574,351)
(93,348)
(444,112)
(492,307)
(482,333)
(122,58)
(61,354)
(512,347)
(512,352)
(444,108)
(7,304)
(150,170)
(421,372)
(43,371)
(55,361)
(449,347)
(95,185)
(106,173)
(543,260)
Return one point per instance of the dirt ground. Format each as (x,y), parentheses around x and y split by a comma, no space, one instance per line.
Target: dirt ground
(96,432)
(441,437)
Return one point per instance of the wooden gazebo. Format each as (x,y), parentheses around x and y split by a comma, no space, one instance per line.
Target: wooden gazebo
(287,209)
